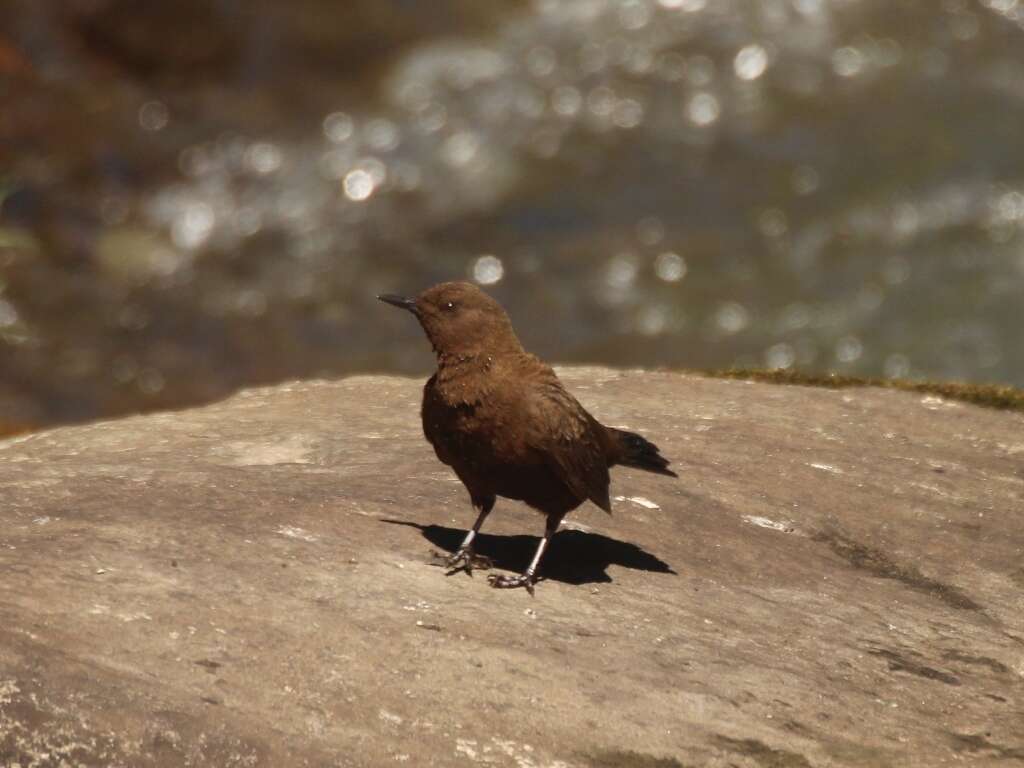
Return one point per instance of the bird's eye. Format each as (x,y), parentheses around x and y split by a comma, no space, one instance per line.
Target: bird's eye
(449,306)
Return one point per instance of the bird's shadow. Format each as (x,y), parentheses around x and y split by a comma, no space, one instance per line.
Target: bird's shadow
(573,557)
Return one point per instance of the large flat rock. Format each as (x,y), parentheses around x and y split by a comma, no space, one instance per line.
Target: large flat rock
(835,579)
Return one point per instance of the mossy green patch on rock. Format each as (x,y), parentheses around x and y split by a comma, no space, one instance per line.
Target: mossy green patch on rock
(998,396)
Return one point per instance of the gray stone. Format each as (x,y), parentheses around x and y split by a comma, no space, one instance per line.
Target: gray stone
(835,579)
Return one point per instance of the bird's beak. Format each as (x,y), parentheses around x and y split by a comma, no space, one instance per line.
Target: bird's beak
(399,301)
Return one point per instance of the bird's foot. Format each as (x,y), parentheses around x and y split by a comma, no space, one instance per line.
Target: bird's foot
(501,581)
(463,559)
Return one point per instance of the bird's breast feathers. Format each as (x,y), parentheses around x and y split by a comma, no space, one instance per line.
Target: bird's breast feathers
(462,411)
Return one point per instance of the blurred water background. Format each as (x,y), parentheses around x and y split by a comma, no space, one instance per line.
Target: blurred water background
(196,196)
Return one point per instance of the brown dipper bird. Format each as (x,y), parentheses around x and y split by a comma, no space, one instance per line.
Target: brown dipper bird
(502,420)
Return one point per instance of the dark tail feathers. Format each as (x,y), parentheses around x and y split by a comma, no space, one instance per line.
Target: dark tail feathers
(636,451)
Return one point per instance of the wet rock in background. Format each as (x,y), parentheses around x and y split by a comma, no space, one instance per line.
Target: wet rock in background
(210,195)
(98,308)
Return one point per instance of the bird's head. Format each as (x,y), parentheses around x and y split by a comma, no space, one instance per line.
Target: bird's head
(460,319)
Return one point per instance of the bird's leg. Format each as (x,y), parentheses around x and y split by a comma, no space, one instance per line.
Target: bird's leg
(528,577)
(464,558)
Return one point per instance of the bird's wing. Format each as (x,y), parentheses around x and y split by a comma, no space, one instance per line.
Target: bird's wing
(568,437)
(436,422)
(428,410)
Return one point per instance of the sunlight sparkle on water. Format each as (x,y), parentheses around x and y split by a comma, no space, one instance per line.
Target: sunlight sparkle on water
(192,227)
(772,222)
(338,127)
(461,148)
(670,267)
(732,317)
(263,157)
(805,180)
(540,61)
(703,109)
(780,356)
(358,185)
(689,6)
(848,62)
(634,14)
(382,135)
(653,320)
(621,271)
(153,116)
(8,315)
(849,349)
(488,269)
(566,100)
(751,62)
(628,113)
(650,230)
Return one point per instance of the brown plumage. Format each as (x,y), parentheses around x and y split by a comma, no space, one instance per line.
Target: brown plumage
(502,420)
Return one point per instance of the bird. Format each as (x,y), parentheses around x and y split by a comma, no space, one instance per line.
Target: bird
(504,422)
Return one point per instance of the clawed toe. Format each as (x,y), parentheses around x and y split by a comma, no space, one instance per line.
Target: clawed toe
(482,562)
(501,581)
(464,559)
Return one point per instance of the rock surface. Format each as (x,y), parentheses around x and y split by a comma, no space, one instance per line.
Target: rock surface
(835,579)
